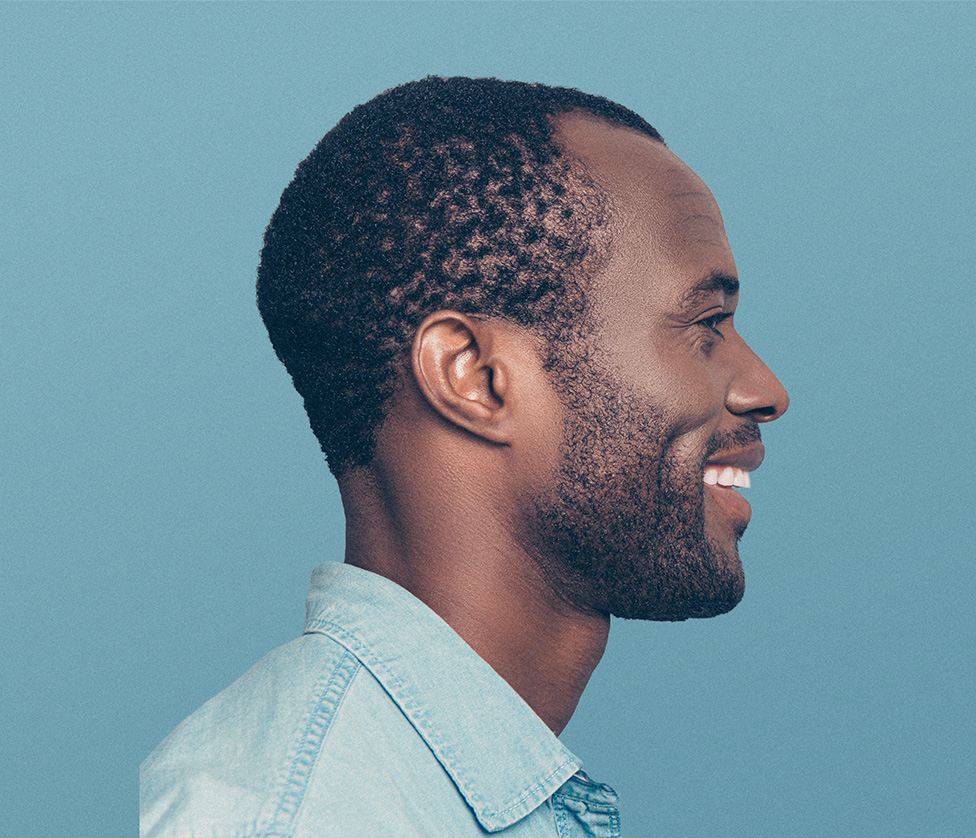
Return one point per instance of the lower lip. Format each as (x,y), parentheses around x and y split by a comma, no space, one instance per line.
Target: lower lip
(735,507)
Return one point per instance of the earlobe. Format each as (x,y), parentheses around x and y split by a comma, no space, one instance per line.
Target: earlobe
(461,373)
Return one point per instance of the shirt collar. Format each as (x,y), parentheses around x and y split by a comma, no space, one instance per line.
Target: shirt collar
(499,753)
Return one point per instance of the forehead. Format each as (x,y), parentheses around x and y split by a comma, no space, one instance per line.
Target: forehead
(668,233)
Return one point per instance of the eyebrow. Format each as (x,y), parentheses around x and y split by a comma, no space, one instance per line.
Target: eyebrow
(715,281)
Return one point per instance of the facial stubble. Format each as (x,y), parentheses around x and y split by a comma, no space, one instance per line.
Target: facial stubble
(620,529)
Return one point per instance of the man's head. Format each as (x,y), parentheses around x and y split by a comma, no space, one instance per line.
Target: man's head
(529,212)
(438,194)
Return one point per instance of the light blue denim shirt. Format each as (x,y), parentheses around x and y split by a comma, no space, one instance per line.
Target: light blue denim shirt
(379,721)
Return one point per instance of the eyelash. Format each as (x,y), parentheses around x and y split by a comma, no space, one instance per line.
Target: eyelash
(712,323)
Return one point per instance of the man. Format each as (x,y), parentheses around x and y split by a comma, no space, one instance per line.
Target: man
(508,309)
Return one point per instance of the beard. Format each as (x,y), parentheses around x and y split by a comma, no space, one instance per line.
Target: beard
(621,529)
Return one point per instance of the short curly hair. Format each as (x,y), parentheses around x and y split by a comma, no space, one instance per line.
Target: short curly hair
(445,193)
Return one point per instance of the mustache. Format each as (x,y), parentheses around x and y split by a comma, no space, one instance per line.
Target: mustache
(731,440)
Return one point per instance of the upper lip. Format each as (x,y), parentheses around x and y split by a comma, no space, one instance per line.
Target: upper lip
(747,458)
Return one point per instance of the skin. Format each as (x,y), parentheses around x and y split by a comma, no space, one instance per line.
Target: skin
(480,436)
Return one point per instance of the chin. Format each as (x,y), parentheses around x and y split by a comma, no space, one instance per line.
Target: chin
(715,586)
(676,613)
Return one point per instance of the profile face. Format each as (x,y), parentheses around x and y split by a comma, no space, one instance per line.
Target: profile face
(662,419)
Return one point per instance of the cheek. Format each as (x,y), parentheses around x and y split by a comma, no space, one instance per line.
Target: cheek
(689,397)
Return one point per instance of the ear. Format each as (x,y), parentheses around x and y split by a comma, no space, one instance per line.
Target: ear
(462,368)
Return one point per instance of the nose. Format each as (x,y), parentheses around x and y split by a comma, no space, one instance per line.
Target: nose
(755,392)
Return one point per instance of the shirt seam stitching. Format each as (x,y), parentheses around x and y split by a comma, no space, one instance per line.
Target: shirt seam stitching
(326,707)
(353,645)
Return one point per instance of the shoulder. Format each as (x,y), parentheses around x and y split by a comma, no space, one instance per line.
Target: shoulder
(307,742)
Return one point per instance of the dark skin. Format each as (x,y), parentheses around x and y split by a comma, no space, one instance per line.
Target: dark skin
(477,424)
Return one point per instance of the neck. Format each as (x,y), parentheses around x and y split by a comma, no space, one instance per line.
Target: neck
(449,551)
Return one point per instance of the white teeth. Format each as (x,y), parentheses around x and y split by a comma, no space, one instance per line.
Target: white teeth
(727,476)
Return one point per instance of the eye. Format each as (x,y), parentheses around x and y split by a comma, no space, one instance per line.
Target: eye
(713,322)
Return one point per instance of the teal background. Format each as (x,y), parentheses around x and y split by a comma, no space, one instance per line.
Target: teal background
(163,501)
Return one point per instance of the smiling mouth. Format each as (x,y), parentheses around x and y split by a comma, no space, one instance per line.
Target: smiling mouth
(728,471)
